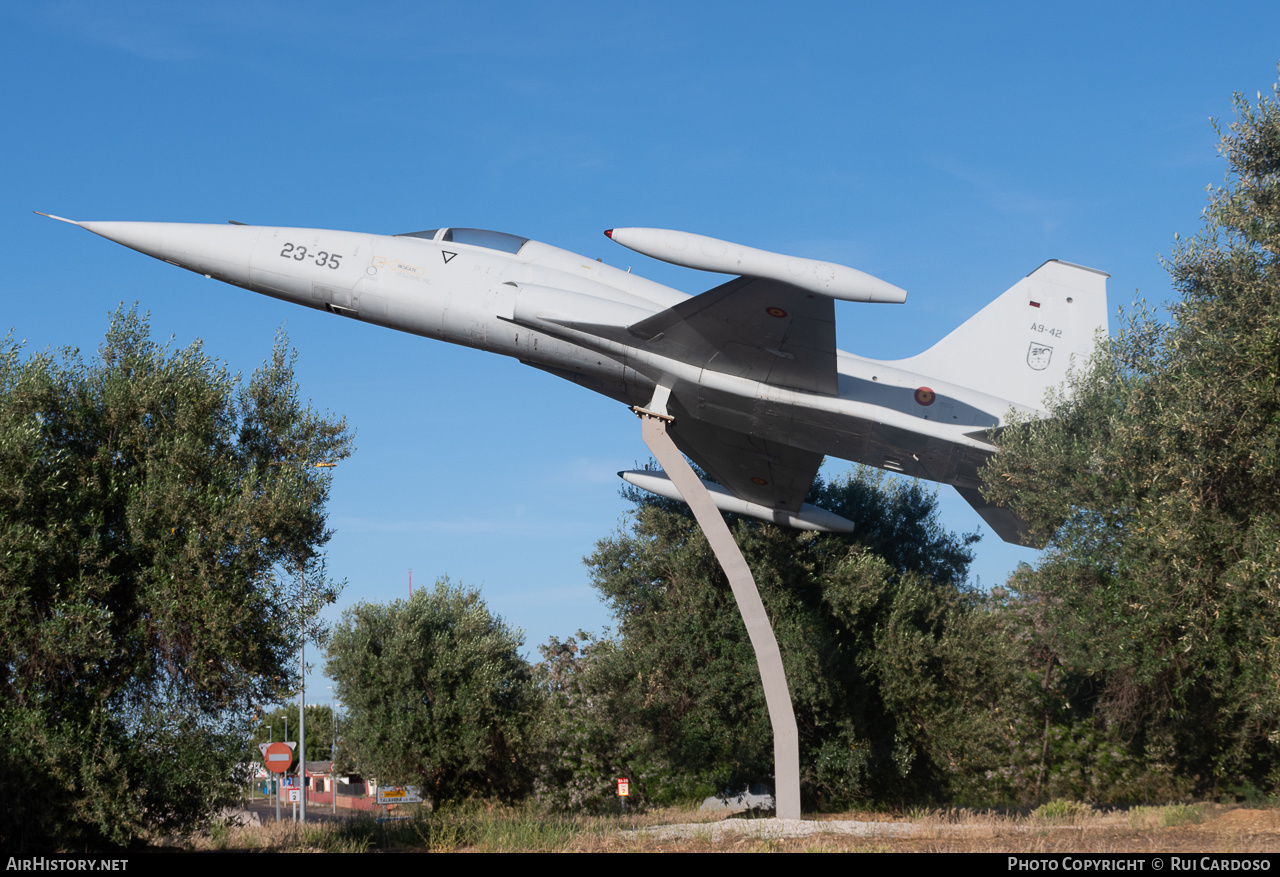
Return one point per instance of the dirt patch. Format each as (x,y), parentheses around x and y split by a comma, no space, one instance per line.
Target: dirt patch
(1250,820)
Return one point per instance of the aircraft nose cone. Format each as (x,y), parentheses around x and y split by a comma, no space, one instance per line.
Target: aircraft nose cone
(152,238)
(223,251)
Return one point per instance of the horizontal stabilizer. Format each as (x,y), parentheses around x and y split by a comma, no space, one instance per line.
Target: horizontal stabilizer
(990,436)
(1007,525)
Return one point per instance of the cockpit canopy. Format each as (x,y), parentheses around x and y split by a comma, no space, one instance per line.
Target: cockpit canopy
(475,237)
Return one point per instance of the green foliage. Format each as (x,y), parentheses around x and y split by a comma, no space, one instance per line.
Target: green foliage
(1061,811)
(437,693)
(273,725)
(490,829)
(1169,816)
(1249,795)
(1159,480)
(154,513)
(900,681)
(579,740)
(483,827)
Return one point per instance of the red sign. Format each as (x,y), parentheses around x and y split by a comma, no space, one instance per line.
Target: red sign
(624,787)
(277,757)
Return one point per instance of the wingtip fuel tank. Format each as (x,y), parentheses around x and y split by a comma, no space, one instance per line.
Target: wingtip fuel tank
(810,517)
(711,254)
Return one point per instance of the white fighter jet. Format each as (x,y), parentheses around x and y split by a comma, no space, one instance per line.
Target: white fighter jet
(748,370)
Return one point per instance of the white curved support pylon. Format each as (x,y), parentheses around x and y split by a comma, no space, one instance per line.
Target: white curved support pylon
(782,717)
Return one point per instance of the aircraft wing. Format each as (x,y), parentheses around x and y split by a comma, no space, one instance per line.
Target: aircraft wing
(770,474)
(751,327)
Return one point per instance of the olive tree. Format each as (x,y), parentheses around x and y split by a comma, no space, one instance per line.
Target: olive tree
(155,512)
(901,682)
(436,695)
(1159,480)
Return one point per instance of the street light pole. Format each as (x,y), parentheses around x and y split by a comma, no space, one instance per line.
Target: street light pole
(302,660)
(302,718)
(333,746)
(275,777)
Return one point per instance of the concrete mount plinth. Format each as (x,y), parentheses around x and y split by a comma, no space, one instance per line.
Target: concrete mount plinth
(786,745)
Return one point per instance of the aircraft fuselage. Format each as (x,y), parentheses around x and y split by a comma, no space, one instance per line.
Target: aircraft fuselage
(473,295)
(569,315)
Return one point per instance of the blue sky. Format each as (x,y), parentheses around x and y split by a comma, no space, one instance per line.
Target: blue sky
(948,148)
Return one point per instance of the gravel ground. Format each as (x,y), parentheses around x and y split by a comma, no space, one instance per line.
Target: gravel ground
(782,828)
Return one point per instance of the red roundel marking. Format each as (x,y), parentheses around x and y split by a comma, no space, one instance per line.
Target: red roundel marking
(775,312)
(759,481)
(925,396)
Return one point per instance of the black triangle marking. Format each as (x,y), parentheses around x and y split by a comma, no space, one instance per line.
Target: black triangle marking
(447,255)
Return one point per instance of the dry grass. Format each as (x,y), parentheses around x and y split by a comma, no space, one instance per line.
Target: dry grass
(1074,828)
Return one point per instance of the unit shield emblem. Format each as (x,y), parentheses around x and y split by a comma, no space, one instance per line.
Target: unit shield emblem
(1038,356)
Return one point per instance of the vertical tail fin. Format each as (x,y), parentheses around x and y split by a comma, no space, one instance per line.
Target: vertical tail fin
(1024,342)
